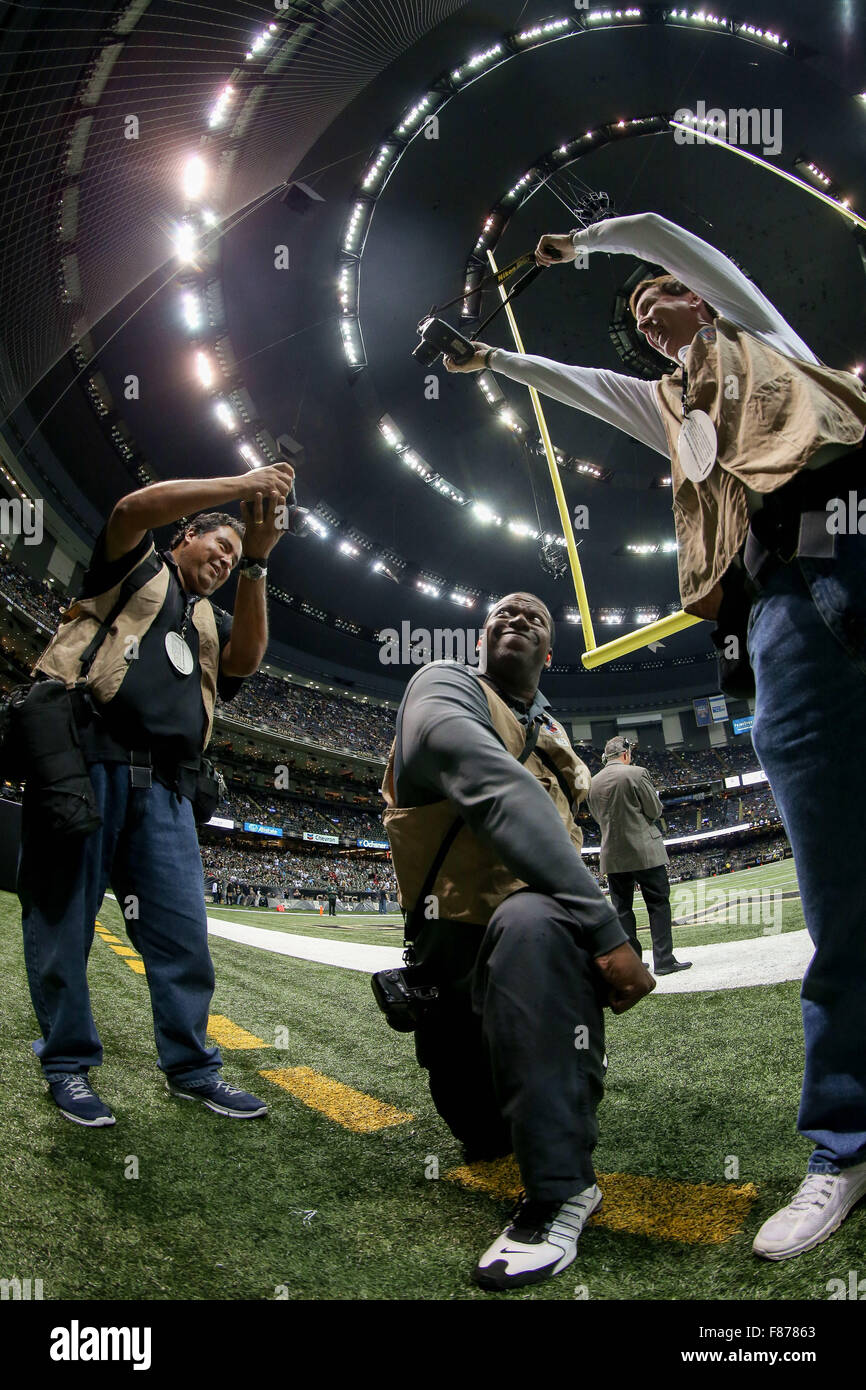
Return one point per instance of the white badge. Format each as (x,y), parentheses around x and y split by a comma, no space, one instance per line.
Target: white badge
(697,445)
(179,653)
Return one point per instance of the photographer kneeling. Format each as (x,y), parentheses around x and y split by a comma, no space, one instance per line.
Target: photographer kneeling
(507,923)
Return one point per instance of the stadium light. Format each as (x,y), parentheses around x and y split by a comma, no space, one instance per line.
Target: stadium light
(195,176)
(249,455)
(226,416)
(185,242)
(193,315)
(205,369)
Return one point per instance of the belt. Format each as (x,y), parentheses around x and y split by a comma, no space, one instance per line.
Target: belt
(793,520)
(181,776)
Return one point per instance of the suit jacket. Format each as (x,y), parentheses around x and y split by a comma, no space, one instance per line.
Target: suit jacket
(626,805)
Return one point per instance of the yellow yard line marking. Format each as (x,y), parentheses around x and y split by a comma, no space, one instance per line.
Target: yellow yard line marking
(228,1034)
(112,940)
(691,1213)
(137,966)
(352,1109)
(124,951)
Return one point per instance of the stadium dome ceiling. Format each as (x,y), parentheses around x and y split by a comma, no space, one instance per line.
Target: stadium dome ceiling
(270,319)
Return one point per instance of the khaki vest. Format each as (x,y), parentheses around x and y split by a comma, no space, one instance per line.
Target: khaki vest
(473,881)
(80,623)
(783,413)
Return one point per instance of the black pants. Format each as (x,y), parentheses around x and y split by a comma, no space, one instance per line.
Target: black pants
(653,883)
(515,1043)
(332,907)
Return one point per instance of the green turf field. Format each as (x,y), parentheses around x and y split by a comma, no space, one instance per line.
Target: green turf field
(725,924)
(298,1206)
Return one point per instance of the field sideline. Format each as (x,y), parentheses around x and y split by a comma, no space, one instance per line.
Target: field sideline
(330,1197)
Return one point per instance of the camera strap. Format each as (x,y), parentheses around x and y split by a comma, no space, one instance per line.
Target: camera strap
(409,930)
(497,279)
(134,581)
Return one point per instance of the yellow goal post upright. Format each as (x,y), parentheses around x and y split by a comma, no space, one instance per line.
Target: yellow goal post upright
(642,636)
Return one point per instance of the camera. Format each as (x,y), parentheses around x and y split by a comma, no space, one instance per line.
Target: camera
(403,1003)
(437,337)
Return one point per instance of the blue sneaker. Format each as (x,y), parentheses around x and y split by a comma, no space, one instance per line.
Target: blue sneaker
(220,1097)
(78,1101)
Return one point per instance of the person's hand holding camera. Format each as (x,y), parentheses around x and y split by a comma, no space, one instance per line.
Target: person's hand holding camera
(626,977)
(265,493)
(555,249)
(476,363)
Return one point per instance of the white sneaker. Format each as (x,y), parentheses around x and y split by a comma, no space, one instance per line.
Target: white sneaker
(540,1240)
(822,1203)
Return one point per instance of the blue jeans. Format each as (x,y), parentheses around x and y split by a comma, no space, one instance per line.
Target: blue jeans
(807,645)
(147,848)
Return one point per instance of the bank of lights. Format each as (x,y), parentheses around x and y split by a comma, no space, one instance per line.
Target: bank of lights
(191,307)
(346,548)
(599,16)
(701,17)
(819,174)
(414,115)
(185,242)
(752,31)
(426,588)
(478,61)
(351,345)
(651,548)
(509,419)
(543,31)
(261,42)
(219,110)
(486,515)
(249,455)
(354,224)
(373,173)
(226,416)
(463,600)
(195,175)
(205,370)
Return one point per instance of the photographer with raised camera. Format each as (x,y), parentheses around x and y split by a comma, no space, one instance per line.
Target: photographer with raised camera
(142,654)
(762,439)
(514,950)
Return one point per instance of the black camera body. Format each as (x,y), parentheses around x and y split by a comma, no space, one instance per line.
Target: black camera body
(403,1003)
(438,337)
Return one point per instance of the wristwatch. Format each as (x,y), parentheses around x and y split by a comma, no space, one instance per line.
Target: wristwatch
(252,569)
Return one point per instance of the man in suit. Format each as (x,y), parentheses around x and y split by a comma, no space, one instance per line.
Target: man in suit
(627,806)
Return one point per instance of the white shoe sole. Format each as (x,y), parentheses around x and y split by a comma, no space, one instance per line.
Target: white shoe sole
(493,1283)
(220,1109)
(823,1234)
(101,1123)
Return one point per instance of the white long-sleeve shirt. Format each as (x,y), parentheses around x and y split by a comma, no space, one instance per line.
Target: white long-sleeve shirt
(627,402)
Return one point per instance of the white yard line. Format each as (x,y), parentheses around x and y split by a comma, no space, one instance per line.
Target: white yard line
(759,960)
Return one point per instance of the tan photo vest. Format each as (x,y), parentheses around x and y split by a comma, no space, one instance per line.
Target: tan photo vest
(80,622)
(772,413)
(472,880)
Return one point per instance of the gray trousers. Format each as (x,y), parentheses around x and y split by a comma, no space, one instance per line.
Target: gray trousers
(515,1043)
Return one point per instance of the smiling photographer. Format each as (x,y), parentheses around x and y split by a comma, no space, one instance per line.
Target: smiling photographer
(507,924)
(135,667)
